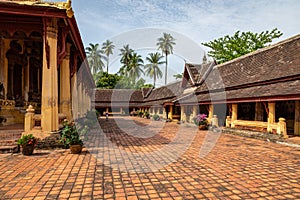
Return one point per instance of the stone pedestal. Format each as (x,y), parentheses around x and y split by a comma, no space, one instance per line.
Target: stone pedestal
(29,122)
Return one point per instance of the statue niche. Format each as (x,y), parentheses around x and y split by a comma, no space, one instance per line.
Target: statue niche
(35,84)
(16,62)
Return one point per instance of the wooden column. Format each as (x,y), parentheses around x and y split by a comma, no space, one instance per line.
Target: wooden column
(195,110)
(182,114)
(259,112)
(6,43)
(170,112)
(164,112)
(234,111)
(297,118)
(210,113)
(271,116)
(65,85)
(49,112)
(158,111)
(74,96)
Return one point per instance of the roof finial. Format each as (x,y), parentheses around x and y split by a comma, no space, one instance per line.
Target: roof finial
(69,11)
(204,59)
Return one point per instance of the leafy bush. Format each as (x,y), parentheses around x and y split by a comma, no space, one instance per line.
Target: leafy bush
(155,117)
(146,114)
(27,140)
(70,135)
(140,114)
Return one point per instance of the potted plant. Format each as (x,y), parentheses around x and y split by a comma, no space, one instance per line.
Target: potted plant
(201,121)
(146,115)
(27,143)
(155,117)
(72,137)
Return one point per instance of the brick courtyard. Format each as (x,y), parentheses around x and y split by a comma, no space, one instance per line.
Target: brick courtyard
(119,165)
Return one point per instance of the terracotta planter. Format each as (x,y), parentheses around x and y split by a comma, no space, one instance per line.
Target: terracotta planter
(27,149)
(202,127)
(76,148)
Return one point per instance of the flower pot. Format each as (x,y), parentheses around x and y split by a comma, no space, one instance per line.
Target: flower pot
(76,148)
(202,127)
(27,149)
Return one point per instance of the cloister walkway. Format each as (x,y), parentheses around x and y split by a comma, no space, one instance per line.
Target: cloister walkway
(135,158)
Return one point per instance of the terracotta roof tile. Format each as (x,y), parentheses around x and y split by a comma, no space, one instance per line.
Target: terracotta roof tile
(273,62)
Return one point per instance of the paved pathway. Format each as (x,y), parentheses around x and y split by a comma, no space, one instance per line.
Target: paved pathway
(236,167)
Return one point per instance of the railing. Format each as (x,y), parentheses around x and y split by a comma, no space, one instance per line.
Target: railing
(33,121)
(279,127)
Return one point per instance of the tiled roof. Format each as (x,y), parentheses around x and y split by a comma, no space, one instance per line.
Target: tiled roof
(123,96)
(274,91)
(59,5)
(146,92)
(167,92)
(198,72)
(271,73)
(270,63)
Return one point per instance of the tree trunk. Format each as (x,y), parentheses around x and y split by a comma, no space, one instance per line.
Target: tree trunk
(107,64)
(166,69)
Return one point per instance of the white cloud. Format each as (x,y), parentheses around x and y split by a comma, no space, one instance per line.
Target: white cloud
(200,21)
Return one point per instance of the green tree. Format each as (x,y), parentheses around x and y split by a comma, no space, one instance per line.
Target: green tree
(107,81)
(165,44)
(148,85)
(230,47)
(135,67)
(125,54)
(152,69)
(107,48)
(177,76)
(94,57)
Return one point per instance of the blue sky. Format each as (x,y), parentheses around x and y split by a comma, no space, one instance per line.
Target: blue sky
(191,22)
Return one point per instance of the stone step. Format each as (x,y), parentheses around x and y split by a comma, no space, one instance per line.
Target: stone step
(8,141)
(9,149)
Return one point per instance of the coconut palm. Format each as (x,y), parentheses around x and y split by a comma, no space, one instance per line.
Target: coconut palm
(135,63)
(125,53)
(107,47)
(152,69)
(177,76)
(165,44)
(95,56)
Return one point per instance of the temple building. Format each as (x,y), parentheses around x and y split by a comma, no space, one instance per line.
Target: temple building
(44,76)
(258,91)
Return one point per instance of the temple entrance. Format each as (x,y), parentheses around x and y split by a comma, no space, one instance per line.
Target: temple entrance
(246,111)
(17,85)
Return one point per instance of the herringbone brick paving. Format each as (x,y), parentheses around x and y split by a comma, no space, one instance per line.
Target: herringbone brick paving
(235,168)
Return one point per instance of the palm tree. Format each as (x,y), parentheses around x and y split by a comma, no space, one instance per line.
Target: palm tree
(107,47)
(177,76)
(125,53)
(135,64)
(165,44)
(152,69)
(94,56)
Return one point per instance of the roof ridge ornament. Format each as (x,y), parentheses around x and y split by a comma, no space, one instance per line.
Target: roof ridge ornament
(69,10)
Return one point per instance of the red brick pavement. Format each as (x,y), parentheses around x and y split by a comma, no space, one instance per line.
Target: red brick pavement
(236,168)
